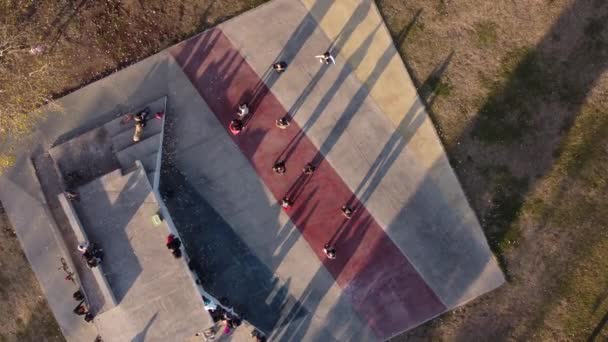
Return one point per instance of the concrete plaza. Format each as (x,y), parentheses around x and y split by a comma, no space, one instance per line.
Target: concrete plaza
(414,248)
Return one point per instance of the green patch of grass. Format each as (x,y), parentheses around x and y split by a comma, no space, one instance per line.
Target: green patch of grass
(535,206)
(580,147)
(436,86)
(486,34)
(577,207)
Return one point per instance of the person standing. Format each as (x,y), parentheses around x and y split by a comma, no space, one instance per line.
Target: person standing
(326,58)
(329,251)
(279,67)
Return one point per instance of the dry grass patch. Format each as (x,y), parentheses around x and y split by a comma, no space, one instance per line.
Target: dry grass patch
(524,125)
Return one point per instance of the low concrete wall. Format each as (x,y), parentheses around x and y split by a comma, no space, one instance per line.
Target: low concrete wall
(81,235)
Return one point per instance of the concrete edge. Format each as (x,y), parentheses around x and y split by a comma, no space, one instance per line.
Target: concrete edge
(443,158)
(80,233)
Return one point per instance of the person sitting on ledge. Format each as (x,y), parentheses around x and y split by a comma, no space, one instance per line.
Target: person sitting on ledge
(236,126)
(91,254)
(282,123)
(279,167)
(71,195)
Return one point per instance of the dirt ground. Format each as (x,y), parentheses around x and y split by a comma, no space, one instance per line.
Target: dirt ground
(24,313)
(517,90)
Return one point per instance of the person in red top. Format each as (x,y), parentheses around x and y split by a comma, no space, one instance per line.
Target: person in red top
(236,126)
(286,203)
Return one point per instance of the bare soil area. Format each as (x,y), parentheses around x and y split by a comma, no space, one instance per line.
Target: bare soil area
(24,312)
(517,89)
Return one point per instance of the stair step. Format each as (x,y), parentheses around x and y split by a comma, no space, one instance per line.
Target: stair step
(124,139)
(145,151)
(118,125)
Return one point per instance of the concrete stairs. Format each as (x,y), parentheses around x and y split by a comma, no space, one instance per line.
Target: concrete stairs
(120,130)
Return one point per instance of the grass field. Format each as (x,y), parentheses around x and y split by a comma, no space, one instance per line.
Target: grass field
(517,90)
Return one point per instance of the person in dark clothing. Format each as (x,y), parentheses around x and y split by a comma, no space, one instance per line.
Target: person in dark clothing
(309,169)
(286,203)
(329,251)
(78,295)
(173,242)
(142,116)
(92,262)
(347,212)
(177,253)
(279,67)
(80,309)
(71,195)
(258,336)
(88,317)
(279,167)
(282,123)
(91,253)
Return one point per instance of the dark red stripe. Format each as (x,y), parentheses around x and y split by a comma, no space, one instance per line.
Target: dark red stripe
(379,280)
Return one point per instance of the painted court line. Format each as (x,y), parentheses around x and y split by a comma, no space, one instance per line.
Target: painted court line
(381,284)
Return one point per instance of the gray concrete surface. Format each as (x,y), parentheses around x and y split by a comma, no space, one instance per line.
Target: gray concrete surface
(226,213)
(81,236)
(157,298)
(74,114)
(35,228)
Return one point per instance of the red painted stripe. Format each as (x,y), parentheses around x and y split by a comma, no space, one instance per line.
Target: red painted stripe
(379,280)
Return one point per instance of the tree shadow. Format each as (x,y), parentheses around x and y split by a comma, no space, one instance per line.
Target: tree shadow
(525,118)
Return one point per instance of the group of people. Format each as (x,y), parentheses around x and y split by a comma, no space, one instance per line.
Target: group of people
(140,122)
(222,317)
(238,124)
(174,245)
(81,309)
(91,253)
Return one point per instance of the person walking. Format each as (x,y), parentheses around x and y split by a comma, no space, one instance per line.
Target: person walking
(326,58)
